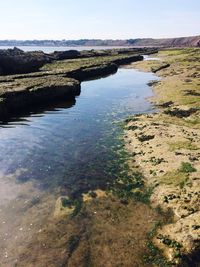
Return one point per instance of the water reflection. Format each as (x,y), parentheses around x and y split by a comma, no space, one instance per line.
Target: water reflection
(63,144)
(22,116)
(64,149)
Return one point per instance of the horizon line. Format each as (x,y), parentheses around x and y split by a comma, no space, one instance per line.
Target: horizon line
(102,39)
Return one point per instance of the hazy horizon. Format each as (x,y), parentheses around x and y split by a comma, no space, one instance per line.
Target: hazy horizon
(113,39)
(113,19)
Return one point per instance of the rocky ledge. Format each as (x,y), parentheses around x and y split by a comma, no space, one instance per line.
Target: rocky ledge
(19,94)
(16,61)
(34,78)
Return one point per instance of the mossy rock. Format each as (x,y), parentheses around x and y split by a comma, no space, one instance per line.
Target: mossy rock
(63,207)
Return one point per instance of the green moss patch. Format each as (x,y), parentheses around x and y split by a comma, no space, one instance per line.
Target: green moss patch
(176,178)
(186,167)
(182,145)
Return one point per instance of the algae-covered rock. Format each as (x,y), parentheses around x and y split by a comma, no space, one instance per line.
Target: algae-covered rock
(63,207)
(98,193)
(92,72)
(19,94)
(36,78)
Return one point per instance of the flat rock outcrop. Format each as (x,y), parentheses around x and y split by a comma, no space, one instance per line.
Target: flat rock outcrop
(34,78)
(93,72)
(19,94)
(16,61)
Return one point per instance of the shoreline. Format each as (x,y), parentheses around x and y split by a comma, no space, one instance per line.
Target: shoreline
(55,76)
(166,147)
(122,223)
(96,227)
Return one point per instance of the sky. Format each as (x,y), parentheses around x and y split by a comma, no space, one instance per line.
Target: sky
(98,19)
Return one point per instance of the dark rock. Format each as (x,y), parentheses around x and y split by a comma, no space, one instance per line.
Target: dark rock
(31,86)
(191,92)
(166,104)
(152,83)
(124,201)
(83,74)
(127,60)
(164,66)
(180,113)
(93,194)
(61,55)
(30,92)
(13,61)
(144,138)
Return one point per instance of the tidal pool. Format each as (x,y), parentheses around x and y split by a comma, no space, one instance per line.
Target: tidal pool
(66,149)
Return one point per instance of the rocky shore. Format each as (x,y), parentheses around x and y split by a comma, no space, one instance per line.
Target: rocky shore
(165,147)
(159,168)
(32,78)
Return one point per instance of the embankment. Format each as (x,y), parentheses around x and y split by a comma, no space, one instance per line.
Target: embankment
(166,147)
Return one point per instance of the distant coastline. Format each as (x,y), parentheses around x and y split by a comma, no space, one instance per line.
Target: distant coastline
(193,41)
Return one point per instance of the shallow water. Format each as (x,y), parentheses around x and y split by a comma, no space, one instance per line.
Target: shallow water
(149,57)
(67,148)
(50,49)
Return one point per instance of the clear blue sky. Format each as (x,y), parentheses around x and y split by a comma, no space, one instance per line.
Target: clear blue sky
(114,19)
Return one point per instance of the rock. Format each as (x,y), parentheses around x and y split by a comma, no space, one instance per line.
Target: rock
(166,104)
(63,207)
(192,92)
(61,55)
(83,74)
(128,60)
(185,232)
(152,83)
(144,138)
(98,193)
(13,61)
(23,93)
(181,113)
(23,84)
(164,66)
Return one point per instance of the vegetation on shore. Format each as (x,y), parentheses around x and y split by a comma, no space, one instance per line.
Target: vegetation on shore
(169,160)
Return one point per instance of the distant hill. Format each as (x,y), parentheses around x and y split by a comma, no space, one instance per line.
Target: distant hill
(193,41)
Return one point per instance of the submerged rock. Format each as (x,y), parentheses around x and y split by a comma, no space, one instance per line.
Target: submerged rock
(63,207)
